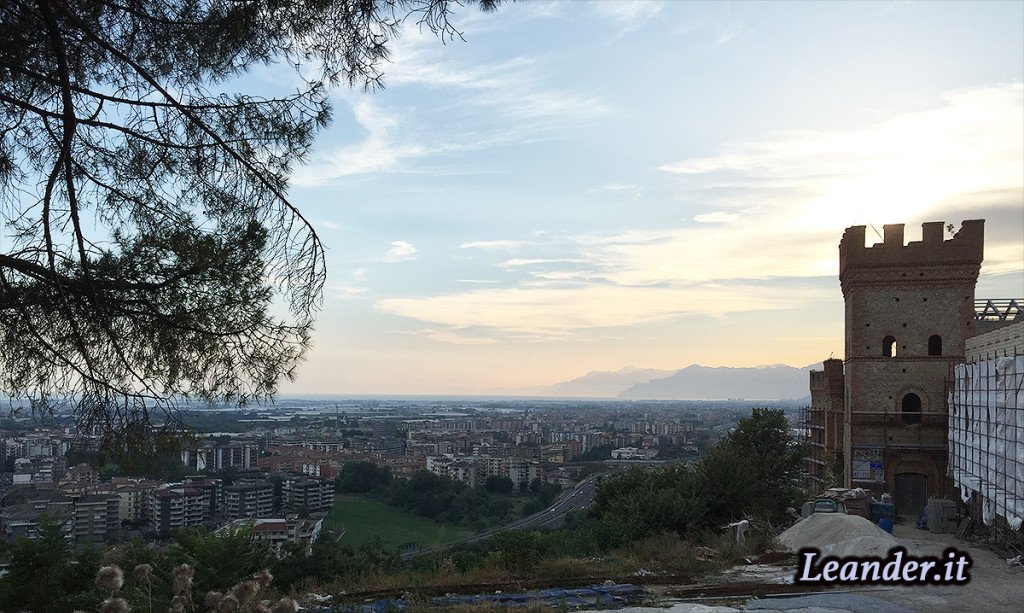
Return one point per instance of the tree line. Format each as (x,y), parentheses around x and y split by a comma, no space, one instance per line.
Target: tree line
(444,499)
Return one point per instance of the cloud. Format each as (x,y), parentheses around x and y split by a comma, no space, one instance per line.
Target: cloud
(521,87)
(550,312)
(499,245)
(777,210)
(454,335)
(400,251)
(518,106)
(353,289)
(348,292)
(520,262)
(380,151)
(728,33)
(629,15)
(898,169)
(618,188)
(716,217)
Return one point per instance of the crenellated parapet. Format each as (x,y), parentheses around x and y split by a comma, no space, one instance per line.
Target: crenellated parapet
(930,260)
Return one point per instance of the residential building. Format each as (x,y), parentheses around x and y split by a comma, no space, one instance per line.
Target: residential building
(184,505)
(39,469)
(249,498)
(218,456)
(277,531)
(22,520)
(96,518)
(307,493)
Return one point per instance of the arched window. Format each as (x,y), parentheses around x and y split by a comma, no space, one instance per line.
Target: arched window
(934,345)
(911,409)
(889,347)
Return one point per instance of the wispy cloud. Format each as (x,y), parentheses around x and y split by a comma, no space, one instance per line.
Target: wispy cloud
(716,217)
(517,86)
(380,151)
(896,170)
(551,312)
(630,15)
(499,245)
(354,289)
(497,104)
(455,335)
(348,292)
(618,188)
(775,211)
(727,34)
(400,251)
(520,262)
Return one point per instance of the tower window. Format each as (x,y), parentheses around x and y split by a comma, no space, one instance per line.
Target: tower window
(911,409)
(934,345)
(889,347)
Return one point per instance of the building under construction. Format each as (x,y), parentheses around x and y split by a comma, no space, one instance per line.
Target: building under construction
(880,420)
(986,430)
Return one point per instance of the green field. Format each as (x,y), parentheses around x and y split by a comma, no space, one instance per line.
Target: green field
(364,518)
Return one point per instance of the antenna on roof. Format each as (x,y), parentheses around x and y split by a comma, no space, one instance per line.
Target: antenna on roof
(876,231)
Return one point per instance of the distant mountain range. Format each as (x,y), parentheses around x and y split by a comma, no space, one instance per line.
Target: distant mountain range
(774,382)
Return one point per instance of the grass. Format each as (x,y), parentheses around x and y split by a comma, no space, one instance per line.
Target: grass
(363,519)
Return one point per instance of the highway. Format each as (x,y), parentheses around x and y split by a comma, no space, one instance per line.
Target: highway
(575,499)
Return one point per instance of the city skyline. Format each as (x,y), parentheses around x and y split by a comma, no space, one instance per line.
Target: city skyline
(588,186)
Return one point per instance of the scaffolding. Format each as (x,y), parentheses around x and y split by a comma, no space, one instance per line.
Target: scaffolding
(986,437)
(813,464)
(998,309)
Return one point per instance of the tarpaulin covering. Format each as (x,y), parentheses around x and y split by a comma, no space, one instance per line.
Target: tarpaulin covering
(603,596)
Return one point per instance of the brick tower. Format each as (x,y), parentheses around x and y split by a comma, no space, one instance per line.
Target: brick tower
(908,310)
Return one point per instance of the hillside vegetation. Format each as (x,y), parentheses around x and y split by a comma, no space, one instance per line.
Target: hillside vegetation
(666,520)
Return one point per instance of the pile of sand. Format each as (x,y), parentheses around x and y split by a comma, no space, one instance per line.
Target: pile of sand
(838,534)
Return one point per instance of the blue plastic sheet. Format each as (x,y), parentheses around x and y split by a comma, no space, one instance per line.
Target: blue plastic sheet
(603,596)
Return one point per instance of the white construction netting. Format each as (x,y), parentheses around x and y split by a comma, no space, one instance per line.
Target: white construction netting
(986,435)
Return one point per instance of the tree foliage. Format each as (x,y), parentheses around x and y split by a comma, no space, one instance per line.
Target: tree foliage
(499,485)
(149,250)
(752,471)
(50,573)
(362,478)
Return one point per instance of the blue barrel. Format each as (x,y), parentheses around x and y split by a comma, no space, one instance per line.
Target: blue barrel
(880,510)
(885,524)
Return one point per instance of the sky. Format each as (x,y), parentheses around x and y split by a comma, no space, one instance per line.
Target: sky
(586,186)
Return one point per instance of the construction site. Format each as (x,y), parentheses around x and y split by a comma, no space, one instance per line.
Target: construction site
(927,407)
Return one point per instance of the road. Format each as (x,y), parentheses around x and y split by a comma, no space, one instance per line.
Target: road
(575,499)
(569,501)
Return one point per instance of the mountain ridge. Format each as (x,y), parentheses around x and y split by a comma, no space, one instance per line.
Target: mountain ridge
(693,382)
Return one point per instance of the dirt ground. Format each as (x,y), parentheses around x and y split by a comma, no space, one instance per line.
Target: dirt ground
(994,586)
